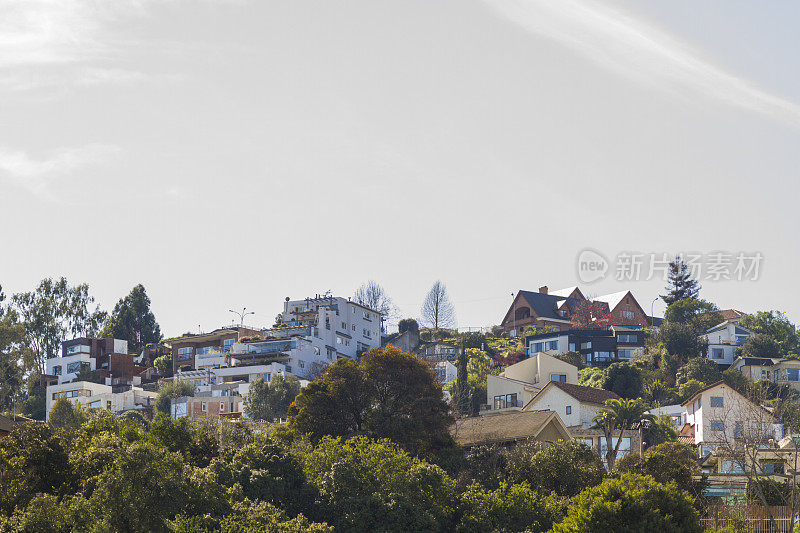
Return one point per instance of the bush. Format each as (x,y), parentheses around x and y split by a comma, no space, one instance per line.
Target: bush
(176,388)
(631,503)
(510,508)
(564,468)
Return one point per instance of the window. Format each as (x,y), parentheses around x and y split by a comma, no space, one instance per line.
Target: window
(354,327)
(624,353)
(344,326)
(601,356)
(503,401)
(203,407)
(569,409)
(552,345)
(78,348)
(57,370)
(537,347)
(301,364)
(316,350)
(184,353)
(330,352)
(772,468)
(626,337)
(717,353)
(716,401)
(572,347)
(624,446)
(221,406)
(793,374)
(717,425)
(558,377)
(227,344)
(627,314)
(730,467)
(77,366)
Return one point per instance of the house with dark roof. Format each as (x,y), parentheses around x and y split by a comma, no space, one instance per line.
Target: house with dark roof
(519,382)
(779,371)
(508,428)
(723,339)
(575,404)
(559,309)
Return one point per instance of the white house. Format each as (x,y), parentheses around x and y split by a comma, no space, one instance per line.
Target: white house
(515,386)
(723,339)
(96,395)
(242,374)
(674,412)
(719,416)
(445,372)
(575,404)
(82,354)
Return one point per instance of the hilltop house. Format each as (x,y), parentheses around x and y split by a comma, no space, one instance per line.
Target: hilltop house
(559,308)
(779,371)
(100,396)
(575,404)
(723,339)
(109,357)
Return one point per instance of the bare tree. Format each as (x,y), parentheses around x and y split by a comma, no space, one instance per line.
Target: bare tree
(437,309)
(372,294)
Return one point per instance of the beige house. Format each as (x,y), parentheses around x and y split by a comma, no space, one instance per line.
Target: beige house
(575,404)
(520,382)
(91,395)
(779,371)
(508,428)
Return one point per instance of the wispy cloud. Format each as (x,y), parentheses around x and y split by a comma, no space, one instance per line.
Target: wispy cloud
(38,175)
(640,51)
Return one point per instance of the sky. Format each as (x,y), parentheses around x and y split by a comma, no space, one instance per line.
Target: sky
(230,153)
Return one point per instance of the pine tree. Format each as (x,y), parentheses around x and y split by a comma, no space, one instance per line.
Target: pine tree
(682,285)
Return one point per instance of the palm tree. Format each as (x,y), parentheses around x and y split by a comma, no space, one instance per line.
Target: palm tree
(618,415)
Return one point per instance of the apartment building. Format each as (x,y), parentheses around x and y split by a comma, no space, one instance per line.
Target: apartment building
(598,346)
(438,351)
(222,400)
(91,395)
(108,356)
(206,350)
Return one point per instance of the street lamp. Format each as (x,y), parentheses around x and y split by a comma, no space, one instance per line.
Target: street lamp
(241,315)
(651,310)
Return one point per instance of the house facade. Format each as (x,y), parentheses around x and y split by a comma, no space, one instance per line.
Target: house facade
(779,371)
(519,382)
(575,404)
(110,356)
(445,372)
(598,346)
(509,428)
(718,415)
(91,395)
(723,339)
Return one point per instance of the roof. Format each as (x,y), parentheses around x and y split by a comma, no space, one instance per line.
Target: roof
(731,314)
(546,305)
(612,299)
(565,292)
(579,392)
(9,422)
(501,427)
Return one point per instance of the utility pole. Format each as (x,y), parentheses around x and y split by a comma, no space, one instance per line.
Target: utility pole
(241,315)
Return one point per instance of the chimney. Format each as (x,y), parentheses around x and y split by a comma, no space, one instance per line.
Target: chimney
(543,289)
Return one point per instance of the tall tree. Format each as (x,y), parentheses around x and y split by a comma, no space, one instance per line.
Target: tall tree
(776,325)
(53,312)
(681,283)
(12,352)
(437,310)
(373,295)
(614,419)
(699,314)
(133,321)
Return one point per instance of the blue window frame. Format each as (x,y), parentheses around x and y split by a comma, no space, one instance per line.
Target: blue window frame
(716,401)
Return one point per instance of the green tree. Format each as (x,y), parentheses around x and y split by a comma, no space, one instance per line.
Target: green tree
(509,508)
(631,503)
(34,405)
(614,419)
(689,389)
(408,324)
(388,394)
(738,381)
(624,378)
(12,351)
(177,388)
(133,321)
(267,472)
(592,377)
(163,364)
(65,414)
(680,340)
(682,285)
(776,325)
(376,486)
(669,462)
(563,468)
(52,312)
(32,461)
(760,345)
(699,314)
(700,369)
(271,400)
(47,513)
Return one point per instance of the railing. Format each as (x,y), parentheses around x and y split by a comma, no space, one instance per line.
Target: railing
(754,517)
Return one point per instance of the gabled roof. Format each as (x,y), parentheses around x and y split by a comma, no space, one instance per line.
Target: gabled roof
(731,314)
(504,427)
(546,305)
(579,392)
(566,292)
(739,330)
(612,299)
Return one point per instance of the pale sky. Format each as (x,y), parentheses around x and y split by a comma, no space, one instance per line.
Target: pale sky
(231,153)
